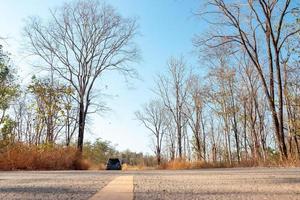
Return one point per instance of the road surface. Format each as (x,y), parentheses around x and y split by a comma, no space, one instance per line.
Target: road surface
(224,184)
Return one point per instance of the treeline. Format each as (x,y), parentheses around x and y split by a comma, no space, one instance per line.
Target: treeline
(22,156)
(242,103)
(99,151)
(43,112)
(38,126)
(71,50)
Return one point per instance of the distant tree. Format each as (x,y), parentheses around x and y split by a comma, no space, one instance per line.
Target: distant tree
(70,116)
(8,88)
(99,151)
(24,117)
(171,140)
(132,158)
(82,40)
(173,91)
(194,112)
(153,117)
(50,106)
(7,134)
(8,92)
(258,28)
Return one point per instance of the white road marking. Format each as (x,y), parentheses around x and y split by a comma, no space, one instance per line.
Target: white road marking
(121,188)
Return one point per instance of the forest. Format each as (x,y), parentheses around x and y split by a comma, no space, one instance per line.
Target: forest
(246,107)
(240,105)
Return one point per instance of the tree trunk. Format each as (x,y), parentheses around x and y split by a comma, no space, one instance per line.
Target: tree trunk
(179,140)
(245,130)
(81,126)
(280,109)
(297,146)
(204,138)
(158,156)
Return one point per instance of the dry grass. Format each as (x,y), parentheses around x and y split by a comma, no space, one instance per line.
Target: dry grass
(291,162)
(82,164)
(126,167)
(101,166)
(176,164)
(25,157)
(180,164)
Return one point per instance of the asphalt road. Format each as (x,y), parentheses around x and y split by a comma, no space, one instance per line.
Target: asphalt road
(184,184)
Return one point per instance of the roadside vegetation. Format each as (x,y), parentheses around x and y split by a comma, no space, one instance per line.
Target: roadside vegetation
(21,156)
(238,107)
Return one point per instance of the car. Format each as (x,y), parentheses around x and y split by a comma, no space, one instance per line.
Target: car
(114,164)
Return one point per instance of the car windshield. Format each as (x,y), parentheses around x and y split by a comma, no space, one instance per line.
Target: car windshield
(113,161)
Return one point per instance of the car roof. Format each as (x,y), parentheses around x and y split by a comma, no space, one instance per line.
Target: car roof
(114,159)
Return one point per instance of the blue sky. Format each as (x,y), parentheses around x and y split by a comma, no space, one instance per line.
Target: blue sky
(166,29)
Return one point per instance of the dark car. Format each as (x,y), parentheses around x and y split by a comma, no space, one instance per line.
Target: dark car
(114,164)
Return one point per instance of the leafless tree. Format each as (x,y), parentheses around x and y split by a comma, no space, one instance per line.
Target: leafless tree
(173,90)
(259,28)
(70,118)
(81,41)
(154,118)
(171,138)
(291,78)
(194,112)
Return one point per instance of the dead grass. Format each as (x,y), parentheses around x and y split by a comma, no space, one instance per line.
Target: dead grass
(291,162)
(176,165)
(31,157)
(26,157)
(101,166)
(82,164)
(181,164)
(126,167)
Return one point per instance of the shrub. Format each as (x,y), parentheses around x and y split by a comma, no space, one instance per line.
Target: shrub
(82,164)
(31,157)
(176,164)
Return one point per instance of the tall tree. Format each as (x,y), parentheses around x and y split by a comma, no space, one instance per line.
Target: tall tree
(154,118)
(173,90)
(82,40)
(258,28)
(194,112)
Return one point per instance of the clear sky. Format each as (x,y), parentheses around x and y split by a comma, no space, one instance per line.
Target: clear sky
(167,28)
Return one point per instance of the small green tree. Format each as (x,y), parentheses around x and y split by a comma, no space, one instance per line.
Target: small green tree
(7,134)
(8,92)
(99,151)
(50,106)
(8,88)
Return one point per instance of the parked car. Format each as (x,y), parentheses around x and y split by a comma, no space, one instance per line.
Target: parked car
(114,164)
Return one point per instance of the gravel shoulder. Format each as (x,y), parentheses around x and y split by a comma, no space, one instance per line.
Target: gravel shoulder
(211,184)
(51,185)
(221,184)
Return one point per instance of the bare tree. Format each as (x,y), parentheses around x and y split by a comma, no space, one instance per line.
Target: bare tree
(291,94)
(173,90)
(194,112)
(81,41)
(171,138)
(259,28)
(154,118)
(70,118)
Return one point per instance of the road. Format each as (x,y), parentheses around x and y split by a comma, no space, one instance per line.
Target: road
(224,184)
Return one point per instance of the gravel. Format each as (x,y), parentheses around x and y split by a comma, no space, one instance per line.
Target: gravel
(223,184)
(51,185)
